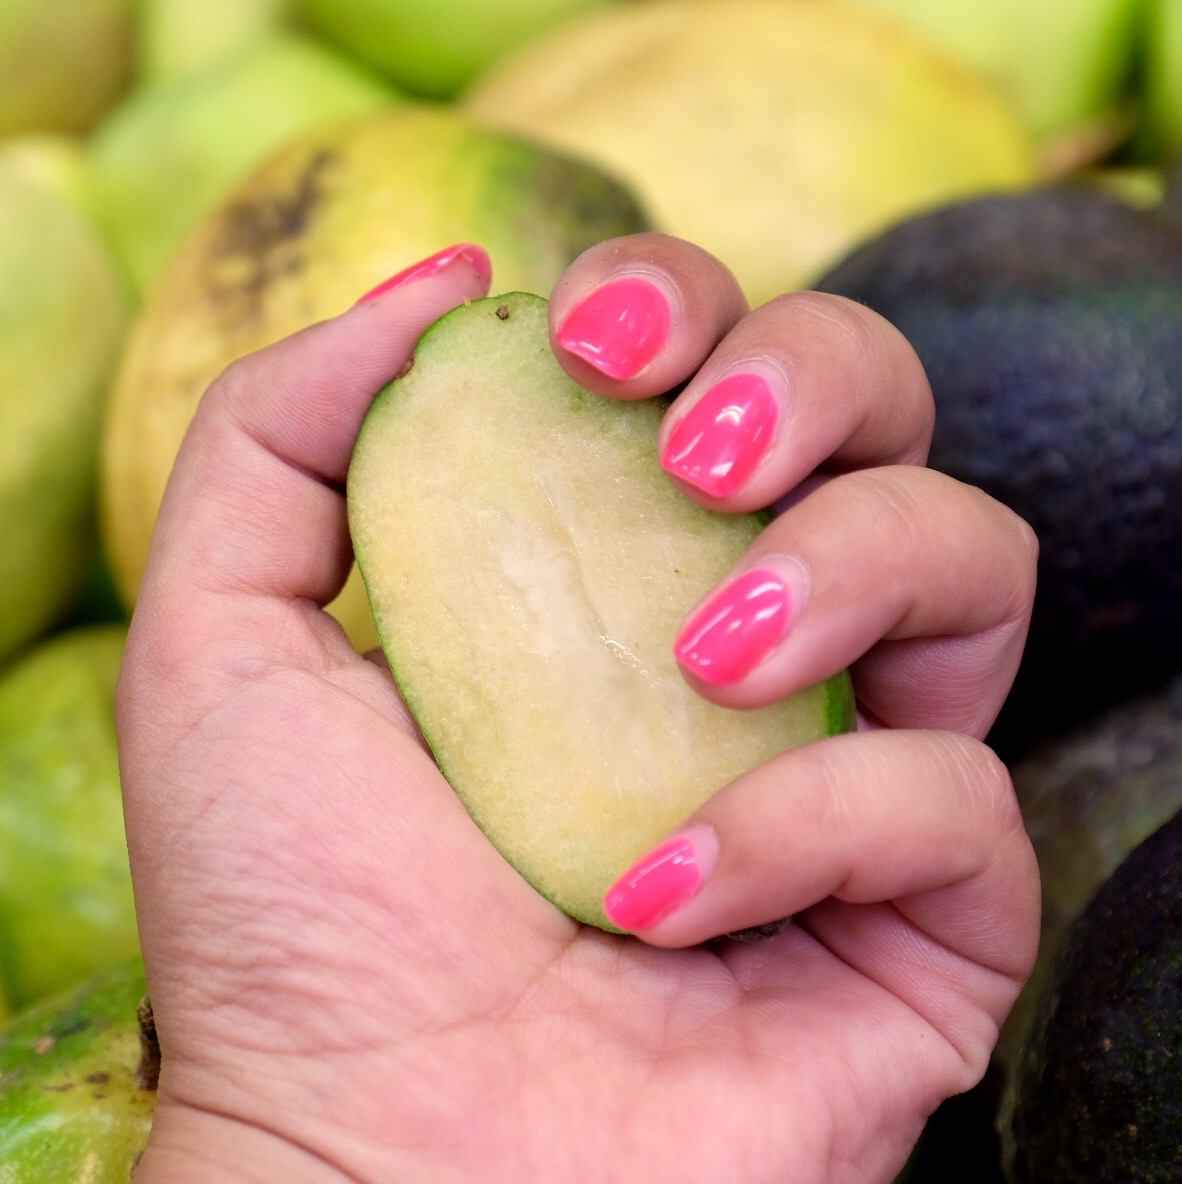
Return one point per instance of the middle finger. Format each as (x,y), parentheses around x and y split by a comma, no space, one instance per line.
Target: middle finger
(805,381)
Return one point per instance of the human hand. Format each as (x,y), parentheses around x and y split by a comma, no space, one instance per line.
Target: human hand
(350,984)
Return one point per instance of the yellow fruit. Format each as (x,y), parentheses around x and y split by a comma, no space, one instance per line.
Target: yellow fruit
(319,224)
(775,133)
(170,153)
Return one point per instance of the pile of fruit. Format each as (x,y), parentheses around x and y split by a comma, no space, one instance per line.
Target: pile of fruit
(184,182)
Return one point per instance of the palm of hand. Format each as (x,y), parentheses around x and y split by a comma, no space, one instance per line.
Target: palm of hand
(360,942)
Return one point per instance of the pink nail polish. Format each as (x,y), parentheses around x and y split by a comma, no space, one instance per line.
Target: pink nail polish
(666,879)
(724,435)
(736,629)
(619,328)
(476,258)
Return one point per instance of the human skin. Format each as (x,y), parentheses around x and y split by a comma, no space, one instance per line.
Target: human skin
(350,984)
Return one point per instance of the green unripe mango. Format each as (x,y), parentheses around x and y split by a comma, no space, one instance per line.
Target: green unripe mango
(1162,80)
(78,1084)
(65,892)
(434,48)
(1060,62)
(171,152)
(183,37)
(63,310)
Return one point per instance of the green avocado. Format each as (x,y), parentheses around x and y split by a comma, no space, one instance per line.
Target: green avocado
(1050,325)
(1098,1096)
(66,908)
(528,564)
(78,1083)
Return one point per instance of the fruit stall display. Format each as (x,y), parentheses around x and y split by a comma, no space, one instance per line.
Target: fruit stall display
(184,181)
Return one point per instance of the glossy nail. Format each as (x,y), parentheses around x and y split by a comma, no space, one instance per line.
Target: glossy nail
(476,258)
(726,433)
(665,880)
(736,628)
(619,328)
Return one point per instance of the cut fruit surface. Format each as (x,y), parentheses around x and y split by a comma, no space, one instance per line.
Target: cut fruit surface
(528,565)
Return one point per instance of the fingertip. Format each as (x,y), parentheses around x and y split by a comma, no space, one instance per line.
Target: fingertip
(714,441)
(619,327)
(724,645)
(470,256)
(663,881)
(635,317)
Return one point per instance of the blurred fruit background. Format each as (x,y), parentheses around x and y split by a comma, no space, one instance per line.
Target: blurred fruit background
(182,182)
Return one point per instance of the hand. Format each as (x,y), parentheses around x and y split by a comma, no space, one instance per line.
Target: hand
(351,985)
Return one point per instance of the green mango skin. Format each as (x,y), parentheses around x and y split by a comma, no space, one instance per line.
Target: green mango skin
(203,133)
(77,1085)
(62,64)
(1162,80)
(52,160)
(1060,62)
(66,908)
(434,48)
(63,310)
(178,38)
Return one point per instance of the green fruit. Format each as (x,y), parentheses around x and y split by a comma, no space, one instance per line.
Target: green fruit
(320,224)
(1050,326)
(1060,62)
(51,160)
(203,134)
(182,37)
(1163,79)
(63,309)
(62,65)
(774,133)
(1136,185)
(78,1084)
(528,564)
(434,48)
(65,893)
(1098,1098)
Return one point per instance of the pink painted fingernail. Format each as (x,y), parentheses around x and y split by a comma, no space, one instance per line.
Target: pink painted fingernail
(476,257)
(736,629)
(724,435)
(666,879)
(619,328)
